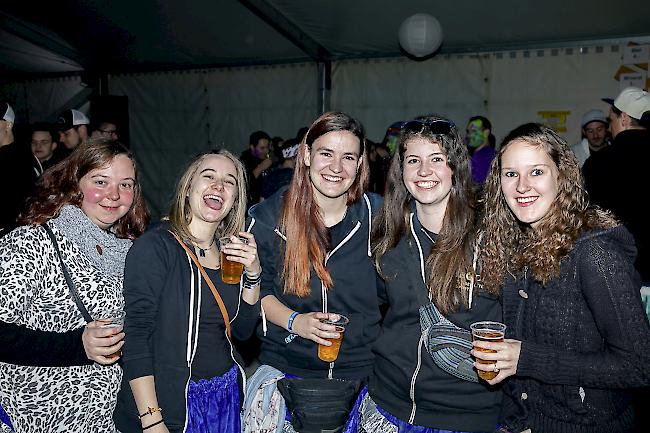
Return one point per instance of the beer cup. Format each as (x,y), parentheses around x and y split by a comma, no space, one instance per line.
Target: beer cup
(487,331)
(330,353)
(115,319)
(230,271)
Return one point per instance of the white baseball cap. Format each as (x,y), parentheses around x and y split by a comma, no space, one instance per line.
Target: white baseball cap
(633,101)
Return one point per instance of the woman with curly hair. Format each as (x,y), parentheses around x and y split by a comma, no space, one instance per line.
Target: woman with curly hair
(578,338)
(423,378)
(58,369)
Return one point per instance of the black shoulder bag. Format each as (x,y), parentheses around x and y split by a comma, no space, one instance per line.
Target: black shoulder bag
(68,279)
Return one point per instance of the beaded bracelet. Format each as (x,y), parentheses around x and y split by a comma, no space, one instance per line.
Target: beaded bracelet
(153,424)
(290,322)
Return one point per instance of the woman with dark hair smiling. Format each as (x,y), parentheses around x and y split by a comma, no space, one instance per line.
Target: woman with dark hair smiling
(423,380)
(60,273)
(315,253)
(578,338)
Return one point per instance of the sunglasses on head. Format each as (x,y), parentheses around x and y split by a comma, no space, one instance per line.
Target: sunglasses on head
(435,126)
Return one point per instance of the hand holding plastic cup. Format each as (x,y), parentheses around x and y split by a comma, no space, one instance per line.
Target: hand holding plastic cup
(487,331)
(113,319)
(230,271)
(330,353)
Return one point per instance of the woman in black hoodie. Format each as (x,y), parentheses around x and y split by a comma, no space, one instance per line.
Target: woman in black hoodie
(423,247)
(314,241)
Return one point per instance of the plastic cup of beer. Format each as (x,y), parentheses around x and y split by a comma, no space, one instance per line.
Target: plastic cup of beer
(113,319)
(230,271)
(487,331)
(330,353)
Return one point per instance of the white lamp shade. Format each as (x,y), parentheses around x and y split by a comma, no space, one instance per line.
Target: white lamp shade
(420,35)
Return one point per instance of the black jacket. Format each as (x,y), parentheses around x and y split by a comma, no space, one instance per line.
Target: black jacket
(585,340)
(354,293)
(615,178)
(158,295)
(442,401)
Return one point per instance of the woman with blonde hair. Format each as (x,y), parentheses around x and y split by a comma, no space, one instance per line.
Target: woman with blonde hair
(182,372)
(577,339)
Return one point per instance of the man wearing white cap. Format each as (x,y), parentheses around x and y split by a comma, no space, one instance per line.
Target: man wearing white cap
(73,128)
(594,135)
(18,171)
(618,179)
(6,124)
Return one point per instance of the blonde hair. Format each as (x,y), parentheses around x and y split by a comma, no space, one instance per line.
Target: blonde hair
(180,214)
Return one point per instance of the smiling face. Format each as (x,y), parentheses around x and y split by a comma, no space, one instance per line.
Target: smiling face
(427,175)
(529,181)
(108,191)
(213,190)
(333,161)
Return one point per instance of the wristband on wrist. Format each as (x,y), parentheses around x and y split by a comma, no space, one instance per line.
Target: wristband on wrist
(290,322)
(150,411)
(153,424)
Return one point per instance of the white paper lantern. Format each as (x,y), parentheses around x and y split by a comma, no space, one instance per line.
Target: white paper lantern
(420,35)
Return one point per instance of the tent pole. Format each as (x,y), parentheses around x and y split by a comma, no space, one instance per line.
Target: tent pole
(324,85)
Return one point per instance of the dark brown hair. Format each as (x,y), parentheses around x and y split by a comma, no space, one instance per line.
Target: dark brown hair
(59,186)
(450,257)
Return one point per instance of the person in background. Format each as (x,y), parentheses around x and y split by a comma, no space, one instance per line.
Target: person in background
(577,338)
(281,176)
(181,371)
(43,145)
(257,160)
(19,170)
(106,130)
(595,135)
(378,161)
(423,240)
(480,142)
(612,179)
(93,207)
(315,252)
(73,130)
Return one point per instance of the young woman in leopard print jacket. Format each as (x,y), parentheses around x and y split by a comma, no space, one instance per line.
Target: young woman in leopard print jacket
(93,204)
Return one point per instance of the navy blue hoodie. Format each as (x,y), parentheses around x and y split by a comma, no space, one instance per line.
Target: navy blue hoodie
(354,293)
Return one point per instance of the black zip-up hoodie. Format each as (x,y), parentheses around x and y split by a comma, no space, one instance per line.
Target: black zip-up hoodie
(440,400)
(354,293)
(162,292)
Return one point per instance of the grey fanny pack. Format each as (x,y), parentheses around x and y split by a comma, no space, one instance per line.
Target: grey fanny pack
(448,345)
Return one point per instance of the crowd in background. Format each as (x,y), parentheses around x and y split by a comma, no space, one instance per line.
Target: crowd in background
(388,251)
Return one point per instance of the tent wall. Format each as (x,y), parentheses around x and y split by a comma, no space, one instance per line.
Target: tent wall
(174,115)
(178,114)
(509,88)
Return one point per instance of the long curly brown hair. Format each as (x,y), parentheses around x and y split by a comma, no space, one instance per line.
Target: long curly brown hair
(60,186)
(511,245)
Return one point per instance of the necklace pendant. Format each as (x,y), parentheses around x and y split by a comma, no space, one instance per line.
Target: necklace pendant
(201,252)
